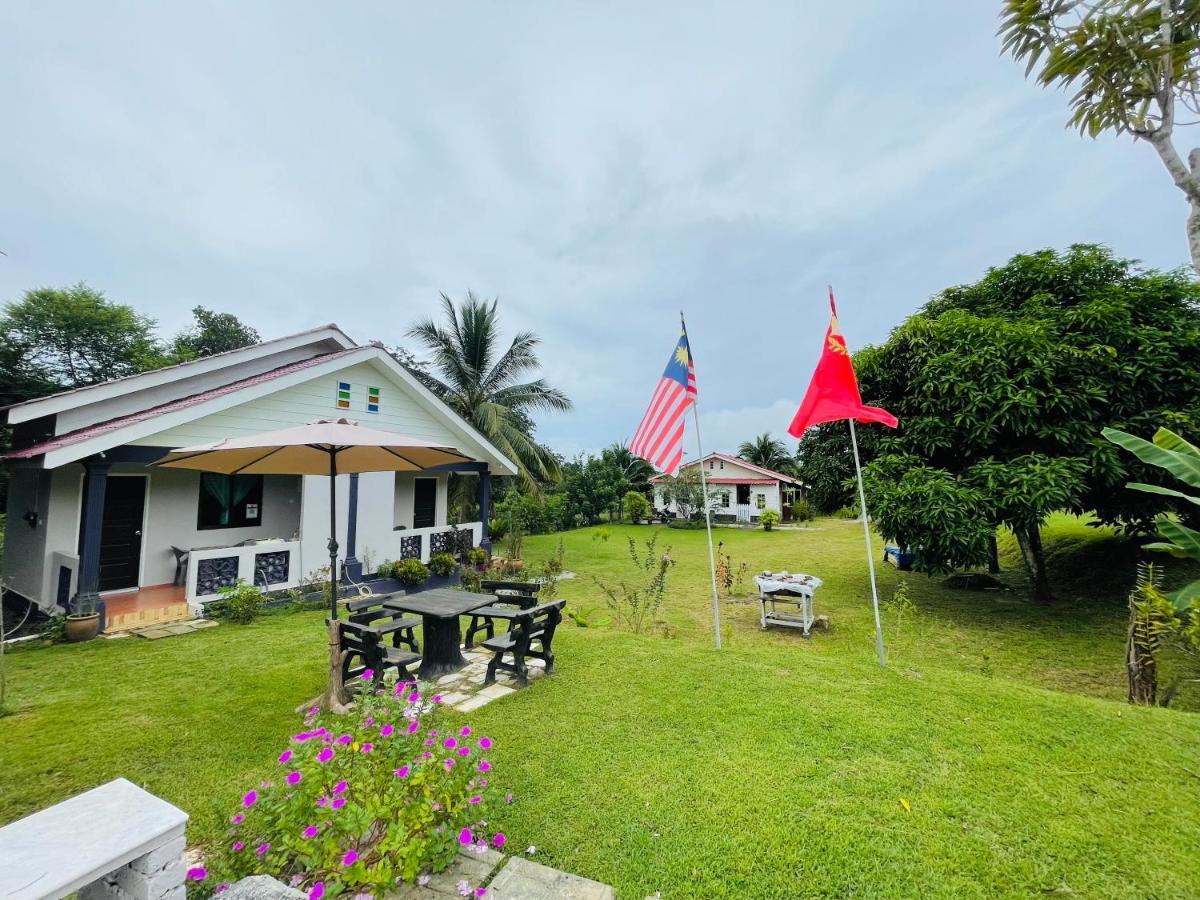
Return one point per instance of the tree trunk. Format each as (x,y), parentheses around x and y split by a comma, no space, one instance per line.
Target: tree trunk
(1139,661)
(1186,176)
(993,555)
(1029,539)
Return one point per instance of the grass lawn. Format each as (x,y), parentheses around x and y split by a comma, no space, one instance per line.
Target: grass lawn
(775,768)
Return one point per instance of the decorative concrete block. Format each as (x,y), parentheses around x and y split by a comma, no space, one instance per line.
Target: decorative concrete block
(261,887)
(153,886)
(157,860)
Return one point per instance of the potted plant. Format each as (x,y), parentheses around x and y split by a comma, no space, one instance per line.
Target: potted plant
(83,622)
(443,568)
(411,573)
(478,557)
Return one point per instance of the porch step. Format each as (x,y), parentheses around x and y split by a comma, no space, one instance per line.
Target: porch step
(145,618)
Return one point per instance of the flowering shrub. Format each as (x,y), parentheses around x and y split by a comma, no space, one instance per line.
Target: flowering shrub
(363,801)
(442,564)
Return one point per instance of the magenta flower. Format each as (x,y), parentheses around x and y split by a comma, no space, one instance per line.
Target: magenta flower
(293,778)
(508,798)
(480,892)
(322,800)
(465,837)
(475,799)
(401,772)
(350,858)
(466,732)
(368,747)
(317,891)
(499,840)
(250,799)
(341,787)
(285,757)
(343,739)
(310,831)
(464,751)
(413,727)
(414,697)
(262,848)
(197,873)
(426,755)
(367,675)
(450,763)
(485,766)
(450,744)
(220,888)
(463,888)
(433,732)
(437,698)
(485,743)
(325,755)
(238,819)
(338,803)
(387,730)
(302,737)
(238,845)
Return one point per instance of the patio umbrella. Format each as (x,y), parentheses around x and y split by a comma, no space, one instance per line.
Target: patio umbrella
(325,447)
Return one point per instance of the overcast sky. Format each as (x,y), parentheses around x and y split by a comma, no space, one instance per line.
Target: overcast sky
(597,166)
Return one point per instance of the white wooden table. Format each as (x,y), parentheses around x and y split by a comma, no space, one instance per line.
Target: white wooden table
(789,590)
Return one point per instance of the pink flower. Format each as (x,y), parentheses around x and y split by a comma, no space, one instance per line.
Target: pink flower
(413,697)
(238,819)
(401,772)
(262,848)
(341,787)
(437,698)
(466,732)
(302,737)
(485,766)
(325,755)
(238,845)
(480,892)
(450,763)
(197,873)
(343,739)
(485,743)
(285,757)
(413,727)
(367,675)
(322,800)
(475,799)
(250,799)
(463,888)
(387,730)
(338,803)
(223,886)
(317,891)
(464,751)
(499,840)
(350,858)
(433,732)
(423,880)
(508,798)
(465,837)
(450,744)
(368,747)
(293,778)
(426,755)
(369,721)
(310,831)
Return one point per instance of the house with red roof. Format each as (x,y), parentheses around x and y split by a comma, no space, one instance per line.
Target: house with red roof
(88,514)
(738,490)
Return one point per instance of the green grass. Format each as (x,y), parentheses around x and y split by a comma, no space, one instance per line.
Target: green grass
(774,768)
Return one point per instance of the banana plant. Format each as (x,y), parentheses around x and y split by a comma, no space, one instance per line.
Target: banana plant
(1170,452)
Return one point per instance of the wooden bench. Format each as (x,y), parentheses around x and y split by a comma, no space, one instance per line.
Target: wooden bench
(371,609)
(529,626)
(365,648)
(509,595)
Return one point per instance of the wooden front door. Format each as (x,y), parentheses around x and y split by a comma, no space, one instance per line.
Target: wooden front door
(121,533)
(424,502)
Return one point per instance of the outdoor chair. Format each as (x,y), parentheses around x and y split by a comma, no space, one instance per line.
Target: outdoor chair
(529,627)
(371,609)
(509,595)
(365,648)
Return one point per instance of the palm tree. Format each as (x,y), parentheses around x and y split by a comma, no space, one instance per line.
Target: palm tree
(767,452)
(635,473)
(481,382)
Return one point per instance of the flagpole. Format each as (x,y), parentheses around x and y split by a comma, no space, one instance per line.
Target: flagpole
(862,505)
(712,559)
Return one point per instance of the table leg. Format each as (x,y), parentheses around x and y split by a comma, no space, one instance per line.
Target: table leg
(441,654)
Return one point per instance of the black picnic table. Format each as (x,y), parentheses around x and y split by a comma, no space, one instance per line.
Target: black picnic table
(439,609)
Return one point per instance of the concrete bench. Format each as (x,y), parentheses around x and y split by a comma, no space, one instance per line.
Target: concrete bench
(115,842)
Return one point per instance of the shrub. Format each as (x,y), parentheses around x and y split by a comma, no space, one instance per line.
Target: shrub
(769,519)
(847,512)
(361,801)
(686,524)
(409,572)
(442,564)
(477,556)
(387,569)
(240,603)
(514,543)
(636,606)
(637,507)
(802,511)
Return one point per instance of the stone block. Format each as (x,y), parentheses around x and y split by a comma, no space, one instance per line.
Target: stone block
(262,887)
(527,880)
(496,691)
(157,860)
(473,703)
(103,889)
(467,867)
(154,886)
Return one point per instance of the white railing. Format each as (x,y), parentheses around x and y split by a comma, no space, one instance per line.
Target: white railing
(256,562)
(419,543)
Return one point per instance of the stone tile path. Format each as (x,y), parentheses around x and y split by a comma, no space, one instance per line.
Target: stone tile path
(465,690)
(157,632)
(516,879)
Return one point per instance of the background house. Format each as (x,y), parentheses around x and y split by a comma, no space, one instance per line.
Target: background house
(738,490)
(87,513)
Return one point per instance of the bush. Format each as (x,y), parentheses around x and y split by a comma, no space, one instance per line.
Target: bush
(410,572)
(686,524)
(802,511)
(637,507)
(359,802)
(443,564)
(477,556)
(635,607)
(240,603)
(847,512)
(768,519)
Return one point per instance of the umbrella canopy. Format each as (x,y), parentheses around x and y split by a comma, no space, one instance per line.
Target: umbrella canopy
(324,447)
(309,450)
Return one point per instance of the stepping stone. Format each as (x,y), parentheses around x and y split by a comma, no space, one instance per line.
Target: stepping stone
(205,623)
(153,634)
(179,628)
(527,880)
(496,691)
(448,679)
(474,703)
(474,868)
(451,699)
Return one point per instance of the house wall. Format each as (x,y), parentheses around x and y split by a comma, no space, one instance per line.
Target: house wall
(770,491)
(25,547)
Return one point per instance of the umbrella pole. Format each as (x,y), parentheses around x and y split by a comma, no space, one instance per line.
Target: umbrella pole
(333,545)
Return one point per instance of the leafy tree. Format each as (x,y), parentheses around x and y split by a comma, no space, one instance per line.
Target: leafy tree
(825,465)
(592,485)
(1002,387)
(768,452)
(635,473)
(72,337)
(686,491)
(637,507)
(1132,64)
(212,333)
(481,381)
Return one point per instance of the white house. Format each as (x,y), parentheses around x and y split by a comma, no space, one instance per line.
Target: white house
(87,514)
(737,490)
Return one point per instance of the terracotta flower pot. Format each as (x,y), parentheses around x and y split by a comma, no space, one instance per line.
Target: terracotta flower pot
(82,627)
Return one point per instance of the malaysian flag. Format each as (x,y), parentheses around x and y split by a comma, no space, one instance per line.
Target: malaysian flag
(659,439)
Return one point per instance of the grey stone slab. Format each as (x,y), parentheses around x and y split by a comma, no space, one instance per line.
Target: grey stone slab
(180,628)
(523,879)
(472,869)
(205,623)
(105,828)
(262,887)
(153,634)
(496,691)
(473,703)
(451,699)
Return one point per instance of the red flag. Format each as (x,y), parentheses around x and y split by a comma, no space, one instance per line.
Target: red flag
(833,391)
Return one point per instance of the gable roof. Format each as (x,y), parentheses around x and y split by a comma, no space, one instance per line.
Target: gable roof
(54,403)
(737,461)
(77,444)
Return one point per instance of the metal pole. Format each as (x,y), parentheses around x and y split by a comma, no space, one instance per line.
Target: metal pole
(862,505)
(712,560)
(333,544)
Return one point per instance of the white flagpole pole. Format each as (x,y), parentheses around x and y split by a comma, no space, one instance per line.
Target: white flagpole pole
(712,559)
(862,505)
